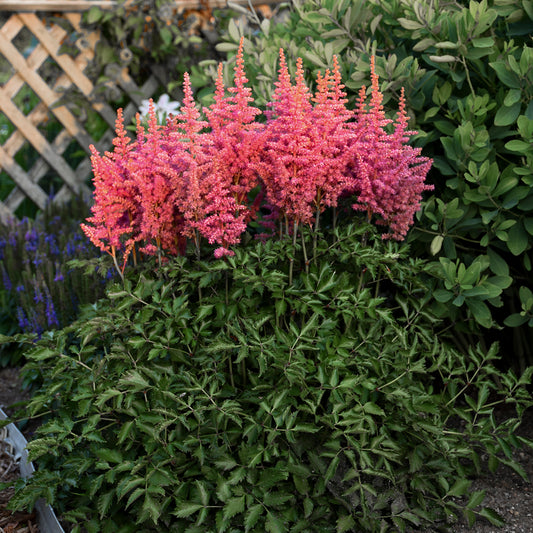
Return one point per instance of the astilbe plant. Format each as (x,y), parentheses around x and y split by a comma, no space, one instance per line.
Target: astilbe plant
(297,393)
(193,178)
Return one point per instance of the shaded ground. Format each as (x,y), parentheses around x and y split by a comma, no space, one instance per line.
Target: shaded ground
(506,492)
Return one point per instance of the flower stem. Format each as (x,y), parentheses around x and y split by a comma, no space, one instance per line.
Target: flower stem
(305,254)
(315,235)
(291,259)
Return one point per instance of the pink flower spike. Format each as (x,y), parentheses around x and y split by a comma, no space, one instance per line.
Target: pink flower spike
(388,174)
(283,88)
(189,118)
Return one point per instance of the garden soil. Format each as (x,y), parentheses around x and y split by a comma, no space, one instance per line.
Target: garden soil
(506,492)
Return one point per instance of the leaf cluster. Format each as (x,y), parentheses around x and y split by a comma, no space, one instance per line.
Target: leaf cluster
(156,37)
(218,395)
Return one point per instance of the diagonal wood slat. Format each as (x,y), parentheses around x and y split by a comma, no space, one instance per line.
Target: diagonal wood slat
(29,129)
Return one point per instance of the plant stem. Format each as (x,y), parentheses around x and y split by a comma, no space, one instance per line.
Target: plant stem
(119,270)
(291,259)
(230,363)
(463,61)
(305,254)
(315,235)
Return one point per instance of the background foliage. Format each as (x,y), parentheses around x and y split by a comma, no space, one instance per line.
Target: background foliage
(158,37)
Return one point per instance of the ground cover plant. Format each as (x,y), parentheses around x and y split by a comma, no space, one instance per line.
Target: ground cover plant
(466,70)
(269,360)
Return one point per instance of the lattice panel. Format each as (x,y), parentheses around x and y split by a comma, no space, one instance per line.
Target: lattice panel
(41,136)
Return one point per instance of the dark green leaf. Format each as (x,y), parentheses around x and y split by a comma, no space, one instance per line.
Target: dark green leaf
(492,516)
(234,506)
(518,239)
(507,115)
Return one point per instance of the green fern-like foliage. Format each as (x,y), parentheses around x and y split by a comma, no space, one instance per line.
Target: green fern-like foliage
(211,396)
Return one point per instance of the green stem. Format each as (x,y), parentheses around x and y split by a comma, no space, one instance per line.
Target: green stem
(468,384)
(463,61)
(305,254)
(360,284)
(197,244)
(227,288)
(119,270)
(230,363)
(381,387)
(198,257)
(291,259)
(315,235)
(230,367)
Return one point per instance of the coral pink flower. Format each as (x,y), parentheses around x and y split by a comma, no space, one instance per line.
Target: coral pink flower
(304,157)
(112,226)
(192,178)
(331,118)
(389,175)
(233,145)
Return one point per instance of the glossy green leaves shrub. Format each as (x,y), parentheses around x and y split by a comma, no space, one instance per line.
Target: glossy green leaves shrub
(216,395)
(468,77)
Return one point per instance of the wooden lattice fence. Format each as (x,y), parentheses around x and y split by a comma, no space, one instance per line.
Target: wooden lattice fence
(37,128)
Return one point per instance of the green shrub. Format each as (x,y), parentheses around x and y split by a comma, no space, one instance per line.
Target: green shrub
(155,37)
(218,396)
(468,77)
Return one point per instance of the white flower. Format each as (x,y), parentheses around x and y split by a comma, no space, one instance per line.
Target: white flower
(163,107)
(166,105)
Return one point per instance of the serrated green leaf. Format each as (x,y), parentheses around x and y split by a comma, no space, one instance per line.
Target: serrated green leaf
(151,508)
(274,524)
(104,502)
(475,499)
(252,516)
(111,456)
(187,509)
(135,495)
(234,506)
(373,409)
(460,487)
(126,485)
(345,523)
(492,516)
